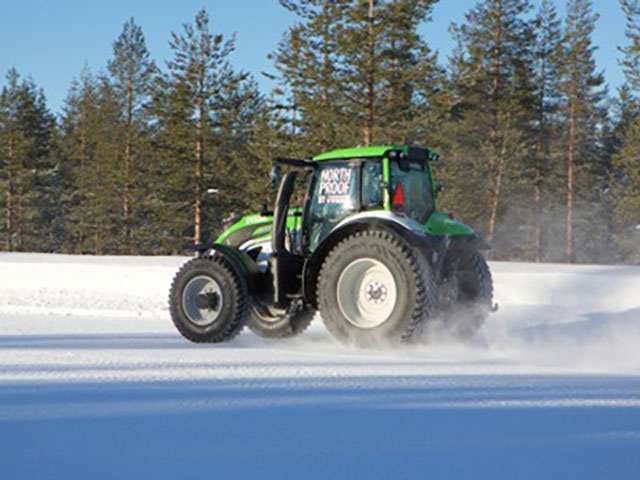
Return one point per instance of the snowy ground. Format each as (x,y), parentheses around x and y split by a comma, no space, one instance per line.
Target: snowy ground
(96,383)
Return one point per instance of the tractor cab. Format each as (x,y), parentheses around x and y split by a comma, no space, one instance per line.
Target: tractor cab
(395,180)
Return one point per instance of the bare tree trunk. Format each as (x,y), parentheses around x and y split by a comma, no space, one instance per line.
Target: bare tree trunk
(368,129)
(199,172)
(497,70)
(20,218)
(570,183)
(537,185)
(97,238)
(9,196)
(537,201)
(327,130)
(499,146)
(126,202)
(83,152)
(495,204)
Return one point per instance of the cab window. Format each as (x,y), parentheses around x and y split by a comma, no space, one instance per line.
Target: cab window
(372,193)
(333,197)
(411,191)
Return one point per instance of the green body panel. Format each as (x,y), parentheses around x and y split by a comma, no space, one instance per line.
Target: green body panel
(386,178)
(255,228)
(257,222)
(441,224)
(359,152)
(366,152)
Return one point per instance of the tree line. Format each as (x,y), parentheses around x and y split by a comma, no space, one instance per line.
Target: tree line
(539,155)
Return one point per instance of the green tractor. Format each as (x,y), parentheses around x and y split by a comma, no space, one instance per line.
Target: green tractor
(367,248)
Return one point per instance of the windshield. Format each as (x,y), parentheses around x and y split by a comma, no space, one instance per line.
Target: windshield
(411,191)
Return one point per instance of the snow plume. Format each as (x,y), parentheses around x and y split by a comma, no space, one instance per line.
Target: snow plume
(551,317)
(575,316)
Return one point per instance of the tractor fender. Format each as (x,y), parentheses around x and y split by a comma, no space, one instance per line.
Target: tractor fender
(312,266)
(473,241)
(241,263)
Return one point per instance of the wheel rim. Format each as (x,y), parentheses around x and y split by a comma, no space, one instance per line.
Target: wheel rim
(197,289)
(367,293)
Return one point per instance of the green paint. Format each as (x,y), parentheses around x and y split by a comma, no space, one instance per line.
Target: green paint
(360,152)
(244,222)
(386,178)
(434,187)
(261,224)
(441,224)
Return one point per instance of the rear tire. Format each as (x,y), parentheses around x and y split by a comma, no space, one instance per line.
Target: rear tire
(374,290)
(267,324)
(473,295)
(208,301)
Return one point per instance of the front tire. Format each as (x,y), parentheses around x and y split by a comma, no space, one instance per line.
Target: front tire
(374,290)
(208,301)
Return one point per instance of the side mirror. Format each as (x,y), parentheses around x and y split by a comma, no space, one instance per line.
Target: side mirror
(275,177)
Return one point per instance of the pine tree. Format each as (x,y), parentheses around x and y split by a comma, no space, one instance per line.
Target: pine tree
(14,144)
(358,72)
(131,72)
(26,135)
(581,88)
(307,60)
(492,108)
(627,189)
(547,56)
(204,109)
(626,141)
(631,52)
(92,135)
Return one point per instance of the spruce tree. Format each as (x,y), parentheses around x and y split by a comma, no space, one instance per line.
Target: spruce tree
(27,166)
(307,60)
(582,92)
(131,72)
(14,143)
(631,52)
(626,142)
(548,35)
(204,109)
(91,139)
(492,111)
(358,71)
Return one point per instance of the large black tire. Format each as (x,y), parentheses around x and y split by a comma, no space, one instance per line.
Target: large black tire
(367,320)
(269,325)
(213,280)
(473,298)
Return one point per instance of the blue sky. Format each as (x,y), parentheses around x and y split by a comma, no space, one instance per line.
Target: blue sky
(52,39)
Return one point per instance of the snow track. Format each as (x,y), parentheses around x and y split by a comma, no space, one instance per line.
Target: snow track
(96,383)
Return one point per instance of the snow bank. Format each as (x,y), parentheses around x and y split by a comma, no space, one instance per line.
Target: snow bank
(85,285)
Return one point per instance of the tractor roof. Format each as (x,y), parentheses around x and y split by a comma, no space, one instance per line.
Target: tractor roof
(360,152)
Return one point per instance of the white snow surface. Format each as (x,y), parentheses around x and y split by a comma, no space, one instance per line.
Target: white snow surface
(95,382)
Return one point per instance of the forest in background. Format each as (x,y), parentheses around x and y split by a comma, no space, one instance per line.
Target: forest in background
(538,154)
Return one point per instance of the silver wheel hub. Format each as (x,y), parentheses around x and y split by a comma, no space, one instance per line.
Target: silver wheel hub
(367,293)
(202,300)
(376,292)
